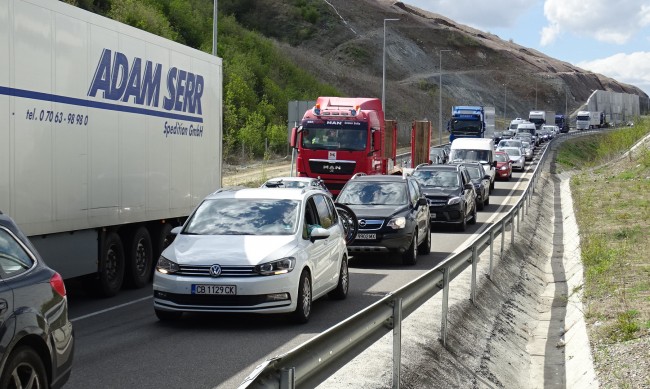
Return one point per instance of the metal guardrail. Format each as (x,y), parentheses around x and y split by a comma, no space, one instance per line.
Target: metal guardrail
(311,363)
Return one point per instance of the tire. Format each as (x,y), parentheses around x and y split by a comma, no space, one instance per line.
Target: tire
(168,315)
(163,238)
(24,369)
(341,291)
(480,205)
(410,256)
(350,222)
(425,247)
(487,200)
(492,185)
(111,265)
(304,300)
(139,258)
(473,219)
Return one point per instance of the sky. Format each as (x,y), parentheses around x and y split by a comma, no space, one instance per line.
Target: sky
(610,37)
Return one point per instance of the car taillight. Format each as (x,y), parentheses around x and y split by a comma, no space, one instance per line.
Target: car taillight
(57,284)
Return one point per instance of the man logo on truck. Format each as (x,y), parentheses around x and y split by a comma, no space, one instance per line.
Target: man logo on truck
(119,81)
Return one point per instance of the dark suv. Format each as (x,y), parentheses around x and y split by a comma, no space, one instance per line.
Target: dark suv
(450,192)
(35,334)
(392,214)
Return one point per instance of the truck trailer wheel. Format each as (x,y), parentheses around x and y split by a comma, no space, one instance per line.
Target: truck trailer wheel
(139,258)
(111,265)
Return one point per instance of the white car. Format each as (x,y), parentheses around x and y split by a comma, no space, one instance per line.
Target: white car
(259,250)
(516,157)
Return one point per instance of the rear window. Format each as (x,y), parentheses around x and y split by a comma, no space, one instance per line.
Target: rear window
(501,158)
(437,178)
(14,259)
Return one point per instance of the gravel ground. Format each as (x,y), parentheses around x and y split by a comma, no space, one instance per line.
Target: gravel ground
(623,365)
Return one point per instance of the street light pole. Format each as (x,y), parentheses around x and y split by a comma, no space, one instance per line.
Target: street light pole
(214,29)
(505,94)
(535,94)
(383,72)
(440,100)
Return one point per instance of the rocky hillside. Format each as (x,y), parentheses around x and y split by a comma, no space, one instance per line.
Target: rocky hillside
(340,42)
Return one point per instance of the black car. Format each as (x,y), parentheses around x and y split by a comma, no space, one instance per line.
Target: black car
(392,215)
(497,136)
(481,181)
(450,192)
(438,155)
(36,336)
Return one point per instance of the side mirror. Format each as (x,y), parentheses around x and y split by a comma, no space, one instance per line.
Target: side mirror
(487,177)
(294,137)
(319,233)
(376,141)
(423,201)
(176,230)
(468,186)
(494,164)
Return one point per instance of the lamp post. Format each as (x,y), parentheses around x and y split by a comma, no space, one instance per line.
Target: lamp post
(214,29)
(440,100)
(505,94)
(383,73)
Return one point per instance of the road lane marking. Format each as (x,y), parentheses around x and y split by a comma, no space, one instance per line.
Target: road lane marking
(111,309)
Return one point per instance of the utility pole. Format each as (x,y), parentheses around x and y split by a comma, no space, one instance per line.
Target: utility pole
(440,100)
(383,72)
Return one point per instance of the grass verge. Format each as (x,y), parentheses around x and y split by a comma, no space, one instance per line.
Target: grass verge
(612,205)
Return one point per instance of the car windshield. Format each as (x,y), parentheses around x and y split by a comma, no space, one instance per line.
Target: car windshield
(230,216)
(474,172)
(335,139)
(501,157)
(507,143)
(437,178)
(373,193)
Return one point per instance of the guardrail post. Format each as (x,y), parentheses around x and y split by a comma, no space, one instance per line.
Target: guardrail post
(491,252)
(287,378)
(397,341)
(445,302)
(503,234)
(519,217)
(512,229)
(474,266)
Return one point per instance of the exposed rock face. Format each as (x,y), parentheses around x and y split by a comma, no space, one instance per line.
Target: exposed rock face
(346,46)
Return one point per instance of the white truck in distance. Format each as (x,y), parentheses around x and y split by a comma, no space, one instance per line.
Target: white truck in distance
(541,117)
(586,120)
(109,137)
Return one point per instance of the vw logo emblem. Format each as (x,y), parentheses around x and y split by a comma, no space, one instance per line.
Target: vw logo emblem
(362,223)
(215,270)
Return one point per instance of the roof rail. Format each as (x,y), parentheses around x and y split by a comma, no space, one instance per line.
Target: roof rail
(358,175)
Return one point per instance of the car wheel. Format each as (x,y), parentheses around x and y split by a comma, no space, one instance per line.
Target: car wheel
(487,200)
(410,256)
(343,285)
(425,246)
(491,185)
(111,265)
(140,258)
(24,369)
(168,315)
(303,307)
(480,205)
(473,219)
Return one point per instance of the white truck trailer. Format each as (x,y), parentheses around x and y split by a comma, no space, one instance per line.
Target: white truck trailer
(541,117)
(109,137)
(586,120)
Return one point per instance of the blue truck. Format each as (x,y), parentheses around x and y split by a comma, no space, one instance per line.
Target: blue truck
(470,121)
(562,122)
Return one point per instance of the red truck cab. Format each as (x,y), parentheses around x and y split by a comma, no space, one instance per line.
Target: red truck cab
(342,136)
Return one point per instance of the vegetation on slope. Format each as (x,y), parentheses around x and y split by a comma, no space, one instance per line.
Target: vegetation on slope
(258,81)
(612,207)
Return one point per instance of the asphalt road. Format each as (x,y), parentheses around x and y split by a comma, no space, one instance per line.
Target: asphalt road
(121,344)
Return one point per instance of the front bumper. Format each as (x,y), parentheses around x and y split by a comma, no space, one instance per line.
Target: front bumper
(257,294)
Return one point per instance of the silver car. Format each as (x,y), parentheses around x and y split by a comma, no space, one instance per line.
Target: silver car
(516,157)
(528,150)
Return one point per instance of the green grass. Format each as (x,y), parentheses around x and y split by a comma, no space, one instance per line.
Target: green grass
(611,202)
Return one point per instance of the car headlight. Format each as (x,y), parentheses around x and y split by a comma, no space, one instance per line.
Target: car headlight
(166,266)
(504,167)
(397,222)
(281,266)
(453,200)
